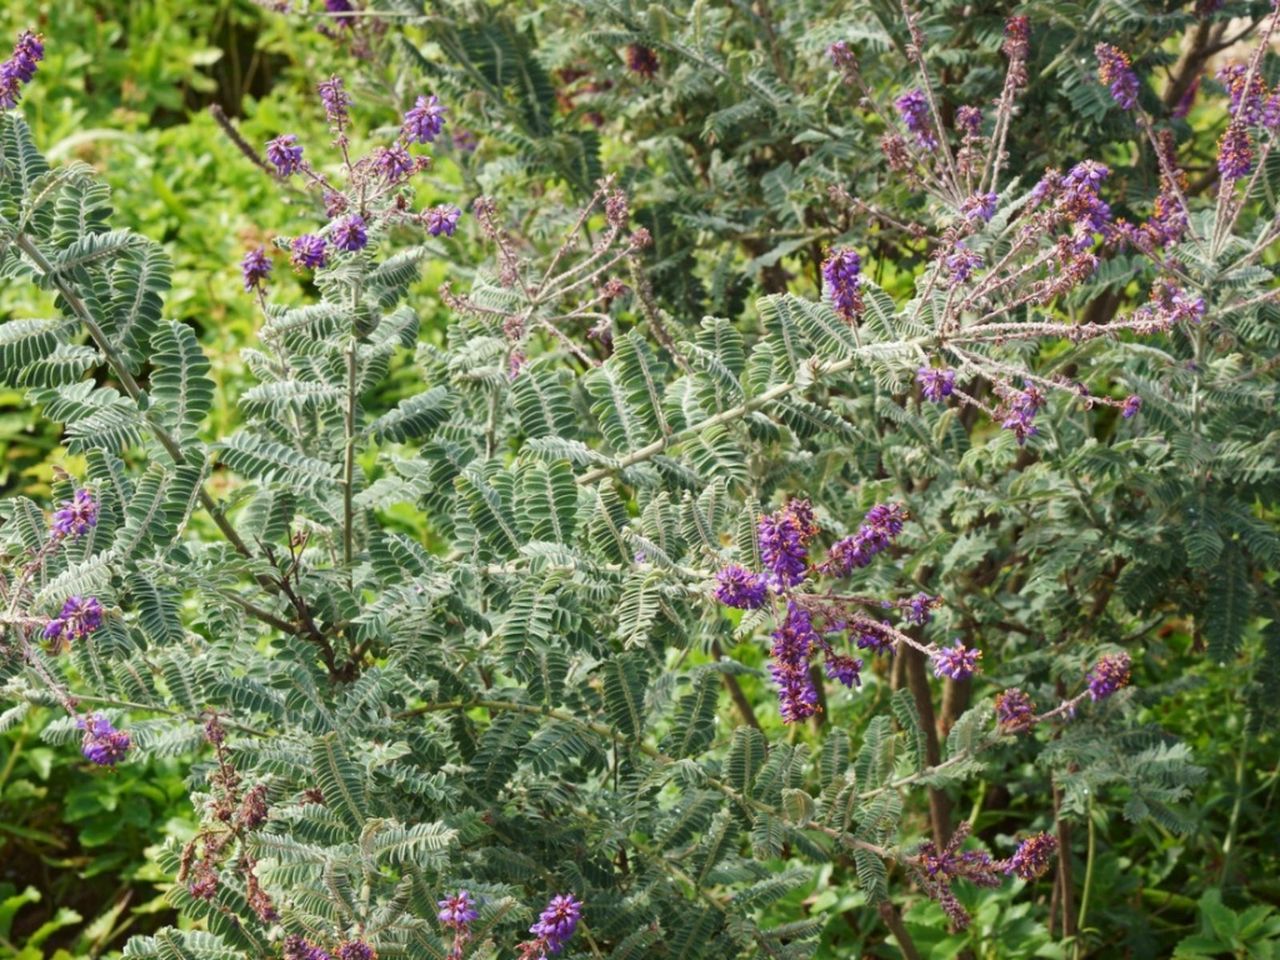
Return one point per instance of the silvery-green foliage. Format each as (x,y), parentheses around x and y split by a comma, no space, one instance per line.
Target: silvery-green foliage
(533,702)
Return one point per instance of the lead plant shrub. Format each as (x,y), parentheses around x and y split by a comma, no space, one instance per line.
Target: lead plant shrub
(407,751)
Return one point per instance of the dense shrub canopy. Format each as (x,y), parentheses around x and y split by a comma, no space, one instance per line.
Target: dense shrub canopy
(749,480)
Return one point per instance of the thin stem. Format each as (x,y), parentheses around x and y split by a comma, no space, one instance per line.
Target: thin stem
(1088,880)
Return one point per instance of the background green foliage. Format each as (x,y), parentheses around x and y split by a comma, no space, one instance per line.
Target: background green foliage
(728,156)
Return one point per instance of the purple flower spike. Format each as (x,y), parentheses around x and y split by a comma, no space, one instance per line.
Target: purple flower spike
(424,121)
(457,910)
(847,670)
(103,744)
(299,948)
(969,121)
(256,268)
(784,536)
(919,609)
(336,101)
(1032,857)
(793,643)
(79,617)
(350,233)
(309,252)
(20,68)
(442,219)
(1235,152)
(980,207)
(873,638)
(356,950)
(395,163)
(284,154)
(736,586)
(881,525)
(75,517)
(913,108)
(557,923)
(1108,675)
(961,263)
(1114,71)
(957,662)
(841,275)
(1132,404)
(1014,710)
(936,384)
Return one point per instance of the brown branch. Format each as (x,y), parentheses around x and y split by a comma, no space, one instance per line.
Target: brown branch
(918,683)
(731,684)
(889,914)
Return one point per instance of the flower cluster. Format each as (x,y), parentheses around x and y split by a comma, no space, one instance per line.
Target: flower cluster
(793,643)
(102,743)
(938,869)
(642,60)
(936,384)
(1014,710)
(373,186)
(736,586)
(1114,71)
(457,913)
(20,68)
(1108,675)
(80,616)
(841,275)
(957,662)
(75,517)
(299,948)
(913,108)
(784,539)
(1019,409)
(878,530)
(553,929)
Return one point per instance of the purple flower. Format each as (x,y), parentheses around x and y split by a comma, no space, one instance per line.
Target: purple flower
(784,536)
(957,662)
(919,609)
(458,910)
(873,637)
(394,163)
(793,642)
(256,267)
(937,869)
(76,516)
(1115,72)
(846,670)
(881,525)
(424,120)
(299,948)
(961,263)
(1235,152)
(79,617)
(736,586)
(1186,101)
(336,101)
(1248,100)
(20,68)
(1079,201)
(980,207)
(557,923)
(356,950)
(969,122)
(350,234)
(913,108)
(1019,411)
(1108,675)
(309,251)
(284,154)
(1132,404)
(102,744)
(1014,710)
(642,60)
(442,219)
(1032,857)
(841,276)
(936,384)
